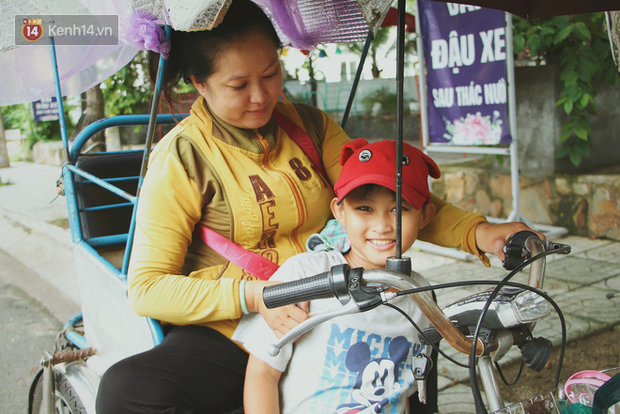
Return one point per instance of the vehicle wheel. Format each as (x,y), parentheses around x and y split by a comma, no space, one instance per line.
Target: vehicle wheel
(67,399)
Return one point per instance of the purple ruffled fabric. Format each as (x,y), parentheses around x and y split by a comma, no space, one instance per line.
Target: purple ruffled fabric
(145,32)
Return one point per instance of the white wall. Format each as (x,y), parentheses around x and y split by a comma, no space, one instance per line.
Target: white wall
(334,95)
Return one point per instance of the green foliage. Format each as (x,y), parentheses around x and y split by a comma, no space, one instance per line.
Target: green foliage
(128,91)
(579,44)
(383,96)
(44,131)
(48,130)
(20,117)
(15,116)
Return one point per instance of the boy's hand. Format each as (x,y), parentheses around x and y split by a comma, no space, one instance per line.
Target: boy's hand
(491,238)
(280,320)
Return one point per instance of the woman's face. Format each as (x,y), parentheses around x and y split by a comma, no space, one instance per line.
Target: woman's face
(247,82)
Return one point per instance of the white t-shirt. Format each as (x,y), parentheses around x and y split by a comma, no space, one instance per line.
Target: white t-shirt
(349,364)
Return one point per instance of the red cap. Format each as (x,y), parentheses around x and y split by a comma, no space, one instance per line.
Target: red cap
(364,163)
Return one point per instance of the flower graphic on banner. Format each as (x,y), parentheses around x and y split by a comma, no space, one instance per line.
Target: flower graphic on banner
(474,130)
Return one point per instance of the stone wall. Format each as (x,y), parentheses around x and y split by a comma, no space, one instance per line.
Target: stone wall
(588,205)
(539,124)
(48,152)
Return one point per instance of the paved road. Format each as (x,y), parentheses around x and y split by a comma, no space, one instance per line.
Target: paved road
(28,329)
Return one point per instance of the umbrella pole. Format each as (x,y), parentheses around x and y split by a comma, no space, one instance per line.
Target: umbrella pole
(398,263)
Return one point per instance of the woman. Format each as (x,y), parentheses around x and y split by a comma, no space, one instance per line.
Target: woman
(233,168)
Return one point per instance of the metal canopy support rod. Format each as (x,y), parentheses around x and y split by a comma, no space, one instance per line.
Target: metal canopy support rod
(400,76)
(422,82)
(610,36)
(515,215)
(356,81)
(61,111)
(150,135)
(150,132)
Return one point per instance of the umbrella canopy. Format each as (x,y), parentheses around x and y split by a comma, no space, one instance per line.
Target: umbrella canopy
(27,72)
(532,9)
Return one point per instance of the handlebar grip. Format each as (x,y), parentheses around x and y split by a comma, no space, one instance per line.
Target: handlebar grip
(297,291)
(332,284)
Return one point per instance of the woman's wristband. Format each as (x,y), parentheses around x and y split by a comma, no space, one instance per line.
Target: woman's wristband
(244,306)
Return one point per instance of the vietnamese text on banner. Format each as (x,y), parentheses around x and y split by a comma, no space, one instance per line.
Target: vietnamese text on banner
(465,53)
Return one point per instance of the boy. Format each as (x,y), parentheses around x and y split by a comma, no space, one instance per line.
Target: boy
(361,362)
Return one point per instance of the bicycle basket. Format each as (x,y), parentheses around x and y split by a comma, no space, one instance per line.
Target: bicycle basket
(592,392)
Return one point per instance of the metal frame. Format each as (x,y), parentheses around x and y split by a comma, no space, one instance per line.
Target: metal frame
(71,172)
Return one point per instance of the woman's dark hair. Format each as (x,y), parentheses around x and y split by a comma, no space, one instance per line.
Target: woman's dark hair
(196,53)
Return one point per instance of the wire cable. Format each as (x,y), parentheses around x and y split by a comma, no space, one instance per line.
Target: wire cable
(501,373)
(472,356)
(424,337)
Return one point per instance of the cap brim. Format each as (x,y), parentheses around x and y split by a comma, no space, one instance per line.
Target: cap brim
(410,194)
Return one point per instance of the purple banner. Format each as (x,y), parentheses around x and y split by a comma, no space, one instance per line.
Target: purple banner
(465,52)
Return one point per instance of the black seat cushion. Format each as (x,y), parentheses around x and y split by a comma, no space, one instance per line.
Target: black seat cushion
(105,165)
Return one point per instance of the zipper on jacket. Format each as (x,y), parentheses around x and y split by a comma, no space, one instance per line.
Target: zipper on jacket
(296,193)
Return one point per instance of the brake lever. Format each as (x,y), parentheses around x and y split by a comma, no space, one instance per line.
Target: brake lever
(551,245)
(310,324)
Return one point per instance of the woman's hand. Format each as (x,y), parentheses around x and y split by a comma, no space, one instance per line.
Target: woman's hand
(491,238)
(280,320)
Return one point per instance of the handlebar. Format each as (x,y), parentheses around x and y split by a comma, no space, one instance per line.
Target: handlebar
(368,289)
(332,284)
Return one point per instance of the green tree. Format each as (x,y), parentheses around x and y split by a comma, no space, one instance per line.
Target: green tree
(20,116)
(313,74)
(579,44)
(128,91)
(92,110)
(381,38)
(16,116)
(4,153)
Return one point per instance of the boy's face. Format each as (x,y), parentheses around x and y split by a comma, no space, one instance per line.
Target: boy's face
(370,220)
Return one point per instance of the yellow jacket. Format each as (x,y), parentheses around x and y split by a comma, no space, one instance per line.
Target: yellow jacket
(255,187)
